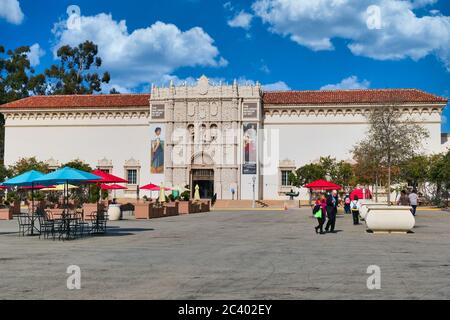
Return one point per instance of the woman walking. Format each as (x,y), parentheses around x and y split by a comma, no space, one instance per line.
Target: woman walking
(319,212)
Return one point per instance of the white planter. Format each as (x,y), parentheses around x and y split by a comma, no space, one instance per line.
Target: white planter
(390,219)
(365,207)
(114,212)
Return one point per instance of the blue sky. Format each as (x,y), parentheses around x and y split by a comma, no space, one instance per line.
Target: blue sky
(289,44)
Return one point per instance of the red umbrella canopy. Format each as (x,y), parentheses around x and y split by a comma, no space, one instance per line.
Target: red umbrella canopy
(361,194)
(323,185)
(107,178)
(112,187)
(153,187)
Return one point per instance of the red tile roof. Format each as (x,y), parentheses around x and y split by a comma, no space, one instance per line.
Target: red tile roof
(80,101)
(269,98)
(351,97)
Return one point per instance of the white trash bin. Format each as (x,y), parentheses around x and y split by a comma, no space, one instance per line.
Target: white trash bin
(114,212)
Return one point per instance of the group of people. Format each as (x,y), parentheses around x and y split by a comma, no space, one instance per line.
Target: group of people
(411,199)
(325,210)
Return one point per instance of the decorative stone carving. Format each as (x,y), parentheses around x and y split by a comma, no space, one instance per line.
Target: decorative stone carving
(53,164)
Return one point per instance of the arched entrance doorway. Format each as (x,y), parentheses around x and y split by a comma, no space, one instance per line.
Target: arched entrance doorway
(202,174)
(204,178)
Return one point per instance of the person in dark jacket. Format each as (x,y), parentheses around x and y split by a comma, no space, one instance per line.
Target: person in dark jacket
(332,204)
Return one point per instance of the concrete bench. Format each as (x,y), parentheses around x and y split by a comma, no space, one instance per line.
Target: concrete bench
(365,208)
(394,219)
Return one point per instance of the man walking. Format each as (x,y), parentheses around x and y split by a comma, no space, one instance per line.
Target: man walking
(413,201)
(332,204)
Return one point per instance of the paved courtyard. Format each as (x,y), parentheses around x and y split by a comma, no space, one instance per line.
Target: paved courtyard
(231,255)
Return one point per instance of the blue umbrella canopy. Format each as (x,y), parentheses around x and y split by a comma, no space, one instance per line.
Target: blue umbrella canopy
(66,175)
(26,179)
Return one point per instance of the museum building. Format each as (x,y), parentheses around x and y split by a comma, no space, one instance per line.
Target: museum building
(235,141)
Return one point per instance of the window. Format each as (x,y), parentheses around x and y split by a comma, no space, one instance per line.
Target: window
(191,131)
(285,178)
(132,176)
(214,131)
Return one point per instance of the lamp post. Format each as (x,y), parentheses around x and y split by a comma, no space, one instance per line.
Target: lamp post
(254,191)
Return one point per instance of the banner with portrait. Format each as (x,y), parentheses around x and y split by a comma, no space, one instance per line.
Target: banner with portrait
(250,145)
(157,136)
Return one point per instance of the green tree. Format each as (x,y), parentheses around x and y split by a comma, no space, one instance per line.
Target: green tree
(4,172)
(394,137)
(17,80)
(439,174)
(415,170)
(72,75)
(344,175)
(26,164)
(306,174)
(79,165)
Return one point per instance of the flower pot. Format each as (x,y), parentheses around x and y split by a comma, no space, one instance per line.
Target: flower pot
(6,214)
(114,213)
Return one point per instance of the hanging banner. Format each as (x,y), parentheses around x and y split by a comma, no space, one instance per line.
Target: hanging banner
(157,134)
(250,143)
(158,112)
(250,111)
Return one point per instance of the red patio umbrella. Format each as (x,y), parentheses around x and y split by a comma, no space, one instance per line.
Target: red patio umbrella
(323,185)
(361,193)
(107,178)
(112,187)
(153,187)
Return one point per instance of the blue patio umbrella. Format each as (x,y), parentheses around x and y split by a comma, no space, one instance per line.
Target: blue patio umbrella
(27,179)
(67,176)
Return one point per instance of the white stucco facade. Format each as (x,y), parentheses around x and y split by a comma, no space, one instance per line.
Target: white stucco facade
(178,137)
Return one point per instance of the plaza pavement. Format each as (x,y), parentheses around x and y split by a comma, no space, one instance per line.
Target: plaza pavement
(231,255)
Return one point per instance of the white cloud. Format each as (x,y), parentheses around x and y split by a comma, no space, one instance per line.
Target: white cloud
(241,20)
(35,54)
(11,11)
(348,83)
(402,34)
(145,55)
(276,86)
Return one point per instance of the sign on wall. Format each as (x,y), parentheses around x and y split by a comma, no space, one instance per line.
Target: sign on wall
(158,112)
(250,111)
(250,143)
(157,134)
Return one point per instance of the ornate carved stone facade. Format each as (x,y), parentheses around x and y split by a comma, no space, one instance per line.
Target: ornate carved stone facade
(196,119)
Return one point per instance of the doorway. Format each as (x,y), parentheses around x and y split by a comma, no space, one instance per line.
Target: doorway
(204,178)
